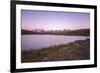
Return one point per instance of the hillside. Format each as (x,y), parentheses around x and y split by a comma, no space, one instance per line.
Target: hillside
(79,32)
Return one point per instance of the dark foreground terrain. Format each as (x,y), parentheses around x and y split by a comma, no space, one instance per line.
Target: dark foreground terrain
(78,50)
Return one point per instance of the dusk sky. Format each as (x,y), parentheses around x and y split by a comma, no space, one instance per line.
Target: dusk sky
(50,20)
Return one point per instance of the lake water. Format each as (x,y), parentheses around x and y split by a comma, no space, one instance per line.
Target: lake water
(42,41)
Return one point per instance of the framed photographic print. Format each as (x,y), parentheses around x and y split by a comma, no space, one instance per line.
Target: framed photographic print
(52,36)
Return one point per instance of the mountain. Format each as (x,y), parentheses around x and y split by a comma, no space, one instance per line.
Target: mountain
(78,32)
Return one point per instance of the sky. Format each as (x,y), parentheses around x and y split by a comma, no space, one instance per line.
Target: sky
(52,20)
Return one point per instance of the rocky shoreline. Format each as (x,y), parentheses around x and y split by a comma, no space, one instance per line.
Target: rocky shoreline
(77,50)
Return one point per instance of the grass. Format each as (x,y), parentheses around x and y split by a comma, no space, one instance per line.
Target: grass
(78,50)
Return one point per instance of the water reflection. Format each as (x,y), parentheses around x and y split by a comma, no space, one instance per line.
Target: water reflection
(42,41)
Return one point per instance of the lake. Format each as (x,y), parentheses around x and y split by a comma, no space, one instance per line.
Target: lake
(29,42)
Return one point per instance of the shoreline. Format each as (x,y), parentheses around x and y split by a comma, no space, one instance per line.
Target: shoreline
(77,50)
(55,34)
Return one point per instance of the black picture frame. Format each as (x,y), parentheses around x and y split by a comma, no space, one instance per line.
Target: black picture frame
(13,35)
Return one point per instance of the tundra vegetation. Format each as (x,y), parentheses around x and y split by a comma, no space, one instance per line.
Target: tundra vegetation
(77,50)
